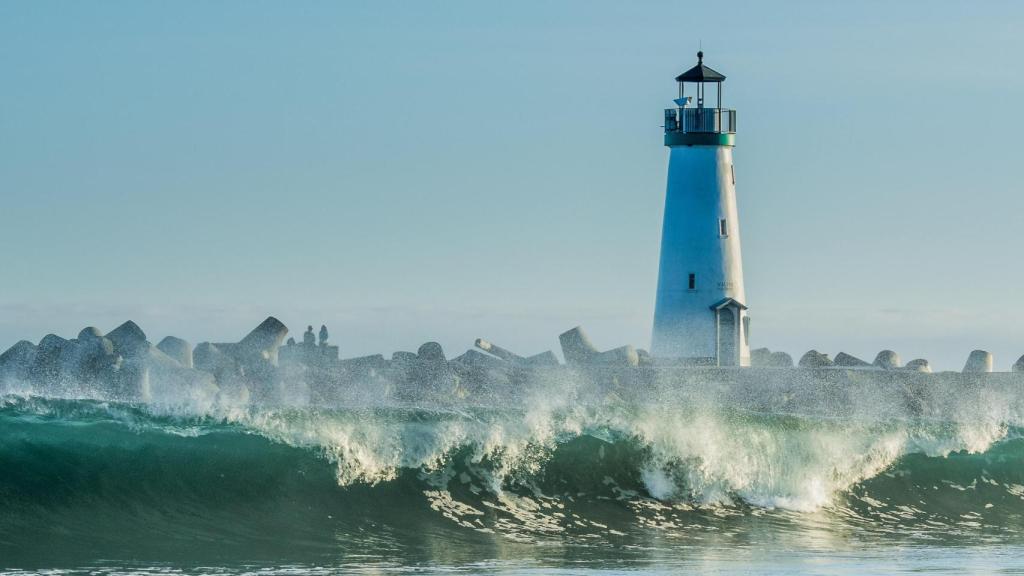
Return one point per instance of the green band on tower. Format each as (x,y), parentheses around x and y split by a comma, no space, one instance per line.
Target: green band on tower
(699,139)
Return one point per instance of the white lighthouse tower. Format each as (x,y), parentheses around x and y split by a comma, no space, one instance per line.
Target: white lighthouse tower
(701,315)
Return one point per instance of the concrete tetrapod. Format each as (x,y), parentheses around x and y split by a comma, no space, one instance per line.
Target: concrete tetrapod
(576,346)
(128,339)
(887,360)
(978,362)
(178,349)
(1018,366)
(919,365)
(815,359)
(849,361)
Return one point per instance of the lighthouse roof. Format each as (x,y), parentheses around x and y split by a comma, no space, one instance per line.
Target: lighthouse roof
(700,73)
(727,302)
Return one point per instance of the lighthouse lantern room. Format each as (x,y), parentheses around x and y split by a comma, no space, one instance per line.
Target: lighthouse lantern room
(700,311)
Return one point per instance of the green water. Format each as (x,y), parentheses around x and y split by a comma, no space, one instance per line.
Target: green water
(89,486)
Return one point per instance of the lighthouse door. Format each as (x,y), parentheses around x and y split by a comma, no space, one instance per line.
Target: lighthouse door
(727,337)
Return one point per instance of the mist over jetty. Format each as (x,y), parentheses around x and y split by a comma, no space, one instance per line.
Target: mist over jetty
(268,367)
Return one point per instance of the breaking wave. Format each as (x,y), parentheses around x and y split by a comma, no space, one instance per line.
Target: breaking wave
(103,477)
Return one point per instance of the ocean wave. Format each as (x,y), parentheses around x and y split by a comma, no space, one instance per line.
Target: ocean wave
(668,453)
(101,476)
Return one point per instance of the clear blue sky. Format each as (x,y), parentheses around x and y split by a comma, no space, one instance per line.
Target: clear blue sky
(406,171)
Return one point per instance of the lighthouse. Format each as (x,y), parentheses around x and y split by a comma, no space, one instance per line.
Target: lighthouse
(700,315)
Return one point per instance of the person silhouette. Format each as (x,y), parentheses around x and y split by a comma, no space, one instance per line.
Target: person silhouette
(308,338)
(323,335)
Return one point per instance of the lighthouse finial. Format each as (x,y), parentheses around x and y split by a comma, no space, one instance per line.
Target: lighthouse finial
(700,57)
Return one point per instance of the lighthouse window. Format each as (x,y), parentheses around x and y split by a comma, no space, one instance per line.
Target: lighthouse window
(693,281)
(723,228)
(732,170)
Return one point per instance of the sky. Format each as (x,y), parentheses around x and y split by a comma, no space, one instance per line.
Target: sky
(413,171)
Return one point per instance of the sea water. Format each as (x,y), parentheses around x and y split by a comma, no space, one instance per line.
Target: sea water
(554,481)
